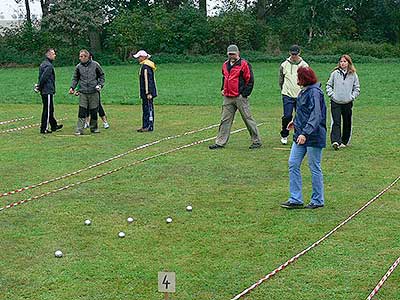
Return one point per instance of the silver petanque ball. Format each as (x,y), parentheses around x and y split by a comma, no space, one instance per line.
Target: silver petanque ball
(121,234)
(58,254)
(88,222)
(189,208)
(169,220)
(130,220)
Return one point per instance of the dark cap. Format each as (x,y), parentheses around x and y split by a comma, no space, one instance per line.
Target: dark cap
(294,49)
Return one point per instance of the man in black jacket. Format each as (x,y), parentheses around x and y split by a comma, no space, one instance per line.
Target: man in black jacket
(47,88)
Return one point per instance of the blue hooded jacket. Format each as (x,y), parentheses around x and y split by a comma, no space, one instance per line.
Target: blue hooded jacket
(310,119)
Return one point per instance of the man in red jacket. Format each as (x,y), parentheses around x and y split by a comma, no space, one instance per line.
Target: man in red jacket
(237,85)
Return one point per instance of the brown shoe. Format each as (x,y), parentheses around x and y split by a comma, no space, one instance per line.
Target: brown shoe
(140,129)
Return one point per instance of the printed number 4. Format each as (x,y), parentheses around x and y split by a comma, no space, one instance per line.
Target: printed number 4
(166,282)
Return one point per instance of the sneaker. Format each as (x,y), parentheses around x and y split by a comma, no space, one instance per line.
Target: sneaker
(255,145)
(215,146)
(95,130)
(313,206)
(139,129)
(342,146)
(290,205)
(284,140)
(335,145)
(106,125)
(77,133)
(58,127)
(87,125)
(45,131)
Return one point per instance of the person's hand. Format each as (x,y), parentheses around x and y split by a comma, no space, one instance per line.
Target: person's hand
(77,93)
(98,87)
(301,139)
(290,126)
(149,97)
(36,88)
(71,91)
(222,93)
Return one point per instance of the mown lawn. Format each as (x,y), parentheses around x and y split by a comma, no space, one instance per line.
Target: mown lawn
(236,234)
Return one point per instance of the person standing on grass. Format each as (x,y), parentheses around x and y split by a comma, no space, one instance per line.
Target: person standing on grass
(237,85)
(102,113)
(309,138)
(47,87)
(90,77)
(343,87)
(148,89)
(289,88)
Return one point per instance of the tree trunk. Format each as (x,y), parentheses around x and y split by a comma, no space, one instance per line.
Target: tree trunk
(203,7)
(95,41)
(44,4)
(261,10)
(28,12)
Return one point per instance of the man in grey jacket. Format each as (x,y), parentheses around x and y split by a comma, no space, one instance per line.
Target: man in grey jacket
(90,77)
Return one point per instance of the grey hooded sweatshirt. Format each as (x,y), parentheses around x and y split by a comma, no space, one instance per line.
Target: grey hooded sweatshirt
(343,87)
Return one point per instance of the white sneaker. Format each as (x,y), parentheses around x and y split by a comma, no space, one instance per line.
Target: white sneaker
(342,146)
(335,145)
(106,125)
(87,125)
(284,140)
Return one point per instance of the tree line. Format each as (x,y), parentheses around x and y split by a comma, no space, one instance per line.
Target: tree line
(114,28)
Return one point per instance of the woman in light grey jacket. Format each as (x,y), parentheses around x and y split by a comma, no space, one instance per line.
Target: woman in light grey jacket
(343,88)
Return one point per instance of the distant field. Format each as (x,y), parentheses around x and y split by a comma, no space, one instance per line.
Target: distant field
(236,234)
(195,84)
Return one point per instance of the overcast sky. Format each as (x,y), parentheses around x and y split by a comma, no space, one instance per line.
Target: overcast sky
(9,9)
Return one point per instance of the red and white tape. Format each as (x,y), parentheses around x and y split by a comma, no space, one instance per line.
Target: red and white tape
(105,161)
(114,170)
(25,127)
(294,258)
(15,120)
(382,281)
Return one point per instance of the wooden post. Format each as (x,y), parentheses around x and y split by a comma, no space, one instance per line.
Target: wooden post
(166,296)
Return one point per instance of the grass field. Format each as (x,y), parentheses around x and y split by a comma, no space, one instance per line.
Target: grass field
(236,234)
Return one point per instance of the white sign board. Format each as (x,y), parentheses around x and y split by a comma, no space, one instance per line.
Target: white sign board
(166,282)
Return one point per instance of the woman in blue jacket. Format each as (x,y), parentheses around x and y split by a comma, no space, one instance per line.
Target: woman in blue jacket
(309,138)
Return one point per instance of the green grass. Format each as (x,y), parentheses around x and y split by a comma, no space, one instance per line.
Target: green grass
(236,234)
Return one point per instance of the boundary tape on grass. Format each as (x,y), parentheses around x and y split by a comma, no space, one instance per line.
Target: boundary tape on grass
(382,281)
(25,127)
(294,258)
(15,120)
(114,170)
(105,161)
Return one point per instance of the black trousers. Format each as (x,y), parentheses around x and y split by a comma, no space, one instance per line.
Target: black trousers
(341,112)
(48,121)
(289,105)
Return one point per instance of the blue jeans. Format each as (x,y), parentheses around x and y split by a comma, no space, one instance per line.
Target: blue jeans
(314,156)
(148,114)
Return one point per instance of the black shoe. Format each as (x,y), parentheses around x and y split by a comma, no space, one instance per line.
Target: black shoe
(58,127)
(95,130)
(215,146)
(255,145)
(290,205)
(313,206)
(45,131)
